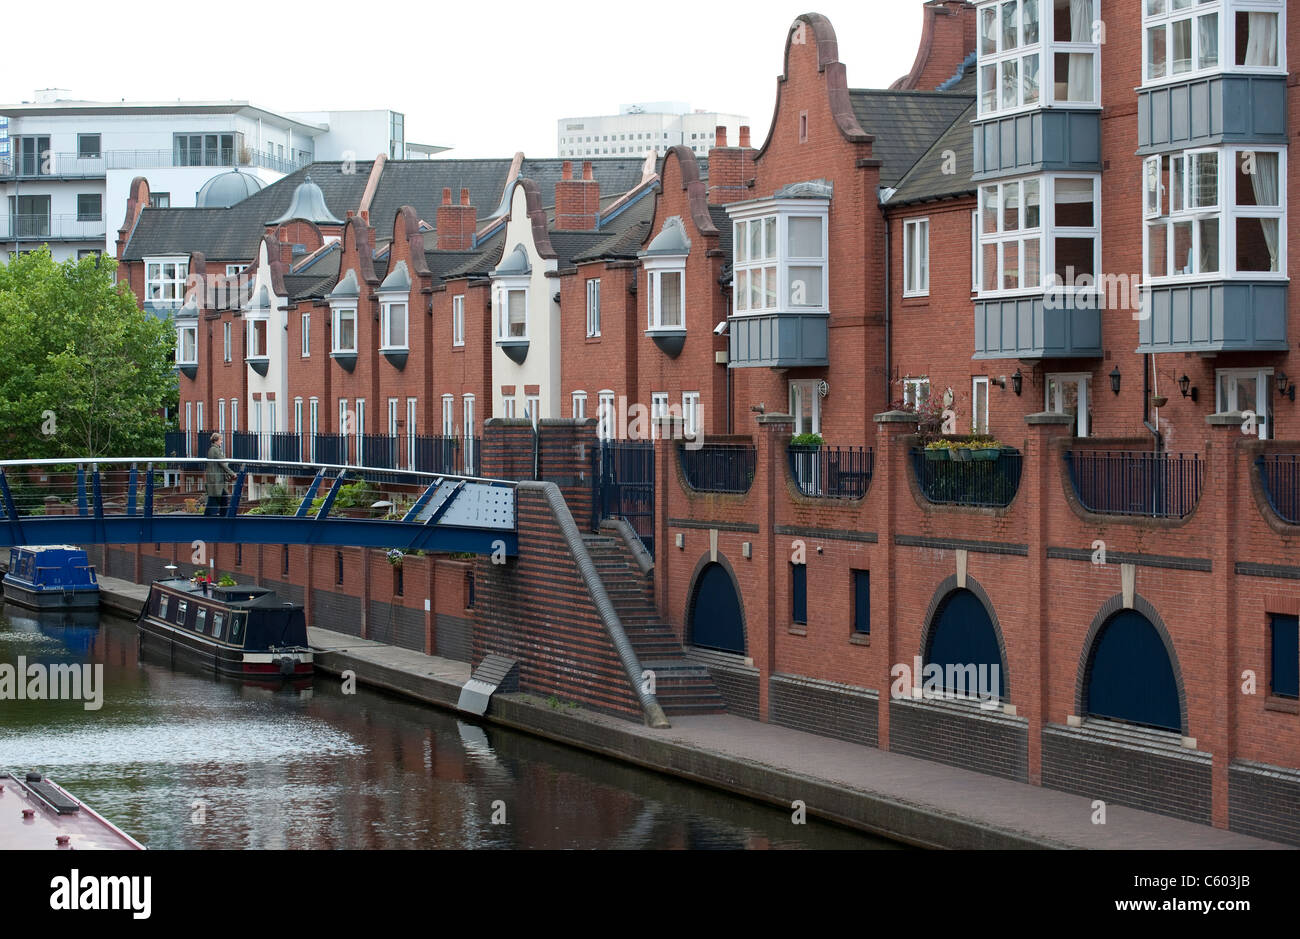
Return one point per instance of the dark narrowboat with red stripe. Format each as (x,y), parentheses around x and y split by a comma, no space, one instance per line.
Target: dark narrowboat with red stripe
(242,631)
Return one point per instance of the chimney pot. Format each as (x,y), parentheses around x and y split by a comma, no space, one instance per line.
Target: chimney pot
(350,213)
(720,136)
(464,197)
(566,169)
(586,169)
(365,216)
(744,135)
(446,196)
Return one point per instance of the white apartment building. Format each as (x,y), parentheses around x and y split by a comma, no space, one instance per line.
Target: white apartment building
(640,128)
(66,177)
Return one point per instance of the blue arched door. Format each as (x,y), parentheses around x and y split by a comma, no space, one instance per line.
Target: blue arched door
(1130,677)
(963,636)
(716,621)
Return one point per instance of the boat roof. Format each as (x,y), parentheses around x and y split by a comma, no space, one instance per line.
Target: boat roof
(38,548)
(84,828)
(240,596)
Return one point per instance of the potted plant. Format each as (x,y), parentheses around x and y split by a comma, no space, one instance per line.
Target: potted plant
(938,450)
(807,442)
(1159,401)
(395,556)
(986,450)
(226,581)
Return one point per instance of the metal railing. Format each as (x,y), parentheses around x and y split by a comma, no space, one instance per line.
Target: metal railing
(980,483)
(1281,475)
(51,227)
(832,472)
(72,165)
(1131,482)
(451,456)
(719,467)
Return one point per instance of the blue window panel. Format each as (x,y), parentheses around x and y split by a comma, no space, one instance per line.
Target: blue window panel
(799,593)
(716,618)
(1130,677)
(963,636)
(1284,676)
(862,602)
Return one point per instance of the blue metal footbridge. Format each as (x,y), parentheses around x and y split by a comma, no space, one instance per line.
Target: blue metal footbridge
(120,501)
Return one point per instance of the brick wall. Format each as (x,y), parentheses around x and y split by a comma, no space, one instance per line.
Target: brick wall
(1264,801)
(827,708)
(961,735)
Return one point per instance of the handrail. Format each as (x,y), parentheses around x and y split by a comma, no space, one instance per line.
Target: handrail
(1136,483)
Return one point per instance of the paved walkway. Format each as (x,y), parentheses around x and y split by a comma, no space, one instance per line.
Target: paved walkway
(773,763)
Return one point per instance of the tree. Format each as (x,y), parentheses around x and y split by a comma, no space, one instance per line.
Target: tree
(83,370)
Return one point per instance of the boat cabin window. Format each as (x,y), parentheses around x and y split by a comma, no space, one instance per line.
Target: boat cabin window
(162,605)
(237,628)
(200,619)
(181,607)
(218,620)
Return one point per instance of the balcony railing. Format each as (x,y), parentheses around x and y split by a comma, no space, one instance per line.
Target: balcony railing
(74,166)
(719,467)
(832,472)
(51,228)
(1281,475)
(1130,482)
(981,483)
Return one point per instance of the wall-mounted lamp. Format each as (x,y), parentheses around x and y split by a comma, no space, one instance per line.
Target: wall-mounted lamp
(1185,386)
(1285,387)
(1017,382)
(1000,381)
(1114,380)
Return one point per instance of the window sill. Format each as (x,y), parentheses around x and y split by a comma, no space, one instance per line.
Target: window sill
(860,639)
(798,631)
(1282,705)
(916,296)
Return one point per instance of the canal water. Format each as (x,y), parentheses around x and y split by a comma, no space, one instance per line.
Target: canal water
(182,760)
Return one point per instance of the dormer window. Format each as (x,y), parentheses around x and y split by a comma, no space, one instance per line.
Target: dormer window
(394,334)
(345,330)
(664,261)
(165,280)
(187,344)
(780,260)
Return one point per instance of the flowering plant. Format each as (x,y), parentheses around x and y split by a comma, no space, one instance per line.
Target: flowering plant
(395,556)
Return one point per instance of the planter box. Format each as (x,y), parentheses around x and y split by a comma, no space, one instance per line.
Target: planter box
(986,453)
(939,455)
(961,454)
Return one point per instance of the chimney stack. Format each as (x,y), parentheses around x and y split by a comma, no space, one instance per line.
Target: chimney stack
(577,201)
(720,135)
(456,223)
(730,168)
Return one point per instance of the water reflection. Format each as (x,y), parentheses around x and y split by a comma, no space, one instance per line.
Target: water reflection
(184,760)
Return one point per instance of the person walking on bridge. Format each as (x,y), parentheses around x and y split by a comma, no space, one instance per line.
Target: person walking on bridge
(217,474)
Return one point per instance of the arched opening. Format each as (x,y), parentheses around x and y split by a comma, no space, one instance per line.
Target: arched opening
(716,620)
(1130,677)
(964,644)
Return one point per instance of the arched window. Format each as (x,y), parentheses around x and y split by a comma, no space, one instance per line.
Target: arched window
(964,644)
(1130,677)
(716,620)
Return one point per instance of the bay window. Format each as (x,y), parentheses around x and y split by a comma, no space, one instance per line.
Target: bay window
(257,338)
(780,260)
(1183,38)
(666,300)
(1020,54)
(345,330)
(187,344)
(1021,247)
(1214,212)
(394,325)
(512,313)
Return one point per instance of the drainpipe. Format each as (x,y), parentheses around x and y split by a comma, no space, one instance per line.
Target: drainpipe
(889,323)
(1146,402)
(723,283)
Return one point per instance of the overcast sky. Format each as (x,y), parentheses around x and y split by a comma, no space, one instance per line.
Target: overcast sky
(485,78)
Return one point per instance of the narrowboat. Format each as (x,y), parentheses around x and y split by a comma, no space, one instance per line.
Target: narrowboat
(242,631)
(51,577)
(37,813)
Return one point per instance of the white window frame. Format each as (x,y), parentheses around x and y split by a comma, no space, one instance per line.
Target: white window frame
(1045,234)
(690,414)
(297,416)
(533,407)
(345,419)
(388,309)
(809,391)
(508,406)
(449,415)
(655,270)
(593,307)
(501,302)
(221,415)
(234,415)
(252,345)
(192,331)
(1225,35)
(975,253)
(313,422)
(1264,383)
(361,423)
(189,415)
(198,415)
(579,400)
(306,335)
(1159,199)
(165,279)
(393,412)
(467,428)
(227,353)
(411,414)
(234,270)
(916,257)
(979,384)
(458,320)
(750,268)
(1082,426)
(340,314)
(606,414)
(912,388)
(1044,48)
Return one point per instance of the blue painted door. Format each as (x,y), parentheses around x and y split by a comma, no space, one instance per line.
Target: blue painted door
(1130,677)
(716,621)
(962,636)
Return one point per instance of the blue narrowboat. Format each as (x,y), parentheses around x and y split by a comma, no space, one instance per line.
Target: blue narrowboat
(51,577)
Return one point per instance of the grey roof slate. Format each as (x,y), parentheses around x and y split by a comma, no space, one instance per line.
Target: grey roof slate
(905,124)
(927,180)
